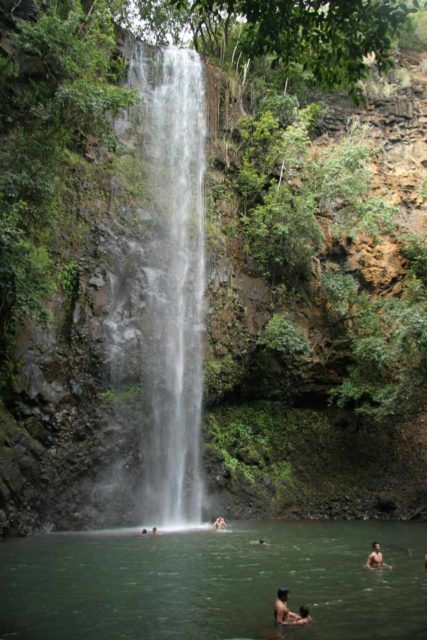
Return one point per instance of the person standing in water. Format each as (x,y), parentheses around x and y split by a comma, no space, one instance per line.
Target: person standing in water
(282,615)
(375,559)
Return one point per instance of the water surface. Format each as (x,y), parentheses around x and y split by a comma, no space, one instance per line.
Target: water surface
(206,585)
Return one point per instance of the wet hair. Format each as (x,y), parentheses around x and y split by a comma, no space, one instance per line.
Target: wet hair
(144,531)
(304,612)
(261,541)
(374,544)
(282,592)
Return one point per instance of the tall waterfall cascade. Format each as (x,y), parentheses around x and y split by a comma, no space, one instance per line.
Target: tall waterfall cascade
(156,322)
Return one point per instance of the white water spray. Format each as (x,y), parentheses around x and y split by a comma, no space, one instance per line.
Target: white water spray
(171,86)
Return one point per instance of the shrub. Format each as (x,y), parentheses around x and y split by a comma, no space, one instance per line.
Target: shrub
(283,235)
(222,375)
(283,106)
(286,338)
(340,293)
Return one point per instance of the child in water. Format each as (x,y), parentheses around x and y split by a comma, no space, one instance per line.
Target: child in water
(304,617)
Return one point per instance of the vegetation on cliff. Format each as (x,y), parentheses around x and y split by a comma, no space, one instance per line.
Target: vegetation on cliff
(301,207)
(59,90)
(283,459)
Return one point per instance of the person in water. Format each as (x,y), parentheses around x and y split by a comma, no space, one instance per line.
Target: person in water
(154,531)
(144,532)
(305,616)
(282,615)
(220,524)
(375,559)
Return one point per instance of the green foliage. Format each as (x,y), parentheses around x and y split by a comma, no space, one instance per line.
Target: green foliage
(68,278)
(248,438)
(156,21)
(26,278)
(25,271)
(259,132)
(286,338)
(268,445)
(414,36)
(70,43)
(284,107)
(221,376)
(312,115)
(415,250)
(341,180)
(56,96)
(389,349)
(56,99)
(340,293)
(340,174)
(283,234)
(83,106)
(328,39)
(250,182)
(280,223)
(376,217)
(121,395)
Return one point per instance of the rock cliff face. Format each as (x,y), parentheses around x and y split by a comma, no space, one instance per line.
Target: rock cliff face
(331,479)
(61,438)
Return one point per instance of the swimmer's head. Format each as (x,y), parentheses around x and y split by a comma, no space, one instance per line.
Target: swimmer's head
(261,541)
(144,531)
(304,612)
(283,593)
(376,546)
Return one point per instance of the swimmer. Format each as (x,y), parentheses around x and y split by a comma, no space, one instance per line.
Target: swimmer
(144,532)
(425,560)
(260,541)
(305,617)
(154,531)
(282,615)
(375,559)
(220,524)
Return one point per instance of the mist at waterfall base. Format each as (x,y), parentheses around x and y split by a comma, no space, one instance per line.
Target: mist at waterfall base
(153,333)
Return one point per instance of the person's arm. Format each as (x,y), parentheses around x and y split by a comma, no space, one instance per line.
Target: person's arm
(369,561)
(294,616)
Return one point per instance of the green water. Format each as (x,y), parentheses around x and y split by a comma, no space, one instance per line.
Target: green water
(206,585)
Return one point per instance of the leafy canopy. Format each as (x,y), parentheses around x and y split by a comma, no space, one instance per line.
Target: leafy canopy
(329,37)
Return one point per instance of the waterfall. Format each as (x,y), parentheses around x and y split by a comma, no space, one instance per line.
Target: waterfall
(167,131)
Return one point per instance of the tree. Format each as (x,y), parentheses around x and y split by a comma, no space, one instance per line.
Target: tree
(328,37)
(157,22)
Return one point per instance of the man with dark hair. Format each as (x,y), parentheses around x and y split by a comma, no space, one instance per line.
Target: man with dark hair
(282,615)
(375,559)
